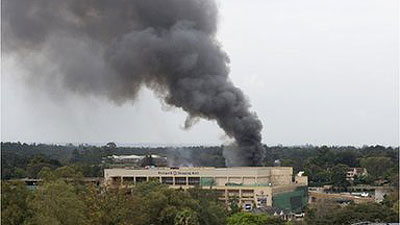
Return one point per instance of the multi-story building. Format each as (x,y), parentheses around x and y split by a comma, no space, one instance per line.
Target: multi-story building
(250,186)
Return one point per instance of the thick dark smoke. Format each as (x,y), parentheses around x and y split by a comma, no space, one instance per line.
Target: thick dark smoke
(111,48)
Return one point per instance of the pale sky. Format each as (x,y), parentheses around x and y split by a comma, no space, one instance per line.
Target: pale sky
(316,72)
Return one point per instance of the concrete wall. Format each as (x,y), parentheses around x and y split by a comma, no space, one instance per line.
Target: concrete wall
(221,181)
(281,175)
(301,180)
(249,180)
(238,175)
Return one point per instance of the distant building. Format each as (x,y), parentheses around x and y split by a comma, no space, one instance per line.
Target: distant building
(135,159)
(251,186)
(355,171)
(125,158)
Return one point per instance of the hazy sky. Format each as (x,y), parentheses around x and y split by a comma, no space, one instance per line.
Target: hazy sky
(316,72)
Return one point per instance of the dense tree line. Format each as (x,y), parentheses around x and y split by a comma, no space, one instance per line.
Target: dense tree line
(329,166)
(323,165)
(18,159)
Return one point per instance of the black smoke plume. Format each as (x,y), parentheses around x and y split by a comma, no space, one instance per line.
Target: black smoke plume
(110,48)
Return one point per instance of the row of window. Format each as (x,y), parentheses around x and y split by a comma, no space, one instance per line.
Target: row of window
(164,180)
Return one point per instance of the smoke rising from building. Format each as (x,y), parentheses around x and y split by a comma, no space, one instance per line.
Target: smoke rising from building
(112,48)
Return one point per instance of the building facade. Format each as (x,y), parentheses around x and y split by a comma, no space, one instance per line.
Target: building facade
(250,186)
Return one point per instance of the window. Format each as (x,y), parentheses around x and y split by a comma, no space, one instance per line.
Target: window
(233,193)
(154,179)
(167,180)
(194,180)
(247,193)
(116,180)
(180,180)
(221,193)
(141,179)
(128,180)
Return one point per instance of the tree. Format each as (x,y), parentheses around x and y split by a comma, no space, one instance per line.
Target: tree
(392,175)
(347,157)
(147,161)
(338,175)
(162,205)
(392,200)
(363,179)
(111,145)
(56,202)
(111,207)
(292,163)
(20,173)
(317,214)
(376,166)
(331,214)
(210,210)
(318,175)
(75,157)
(234,206)
(186,217)
(38,162)
(364,212)
(14,207)
(47,174)
(68,172)
(245,218)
